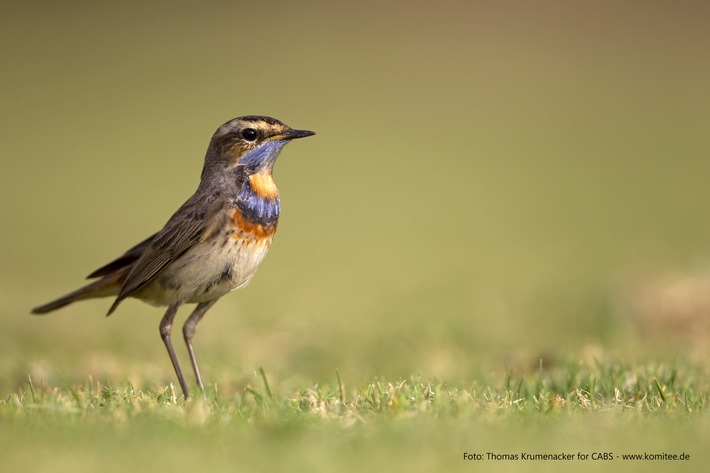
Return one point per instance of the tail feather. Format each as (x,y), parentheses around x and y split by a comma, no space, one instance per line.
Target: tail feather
(104,287)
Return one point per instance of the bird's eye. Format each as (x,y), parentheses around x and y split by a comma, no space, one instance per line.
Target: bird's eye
(249,134)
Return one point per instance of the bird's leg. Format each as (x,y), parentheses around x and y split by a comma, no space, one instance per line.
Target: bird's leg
(166,327)
(189,329)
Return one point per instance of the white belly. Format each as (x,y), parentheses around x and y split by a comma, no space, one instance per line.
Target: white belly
(207,271)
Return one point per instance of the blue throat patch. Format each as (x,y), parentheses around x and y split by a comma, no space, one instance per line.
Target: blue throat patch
(260,210)
(262,157)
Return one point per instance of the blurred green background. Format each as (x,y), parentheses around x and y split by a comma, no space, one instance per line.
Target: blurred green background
(491,182)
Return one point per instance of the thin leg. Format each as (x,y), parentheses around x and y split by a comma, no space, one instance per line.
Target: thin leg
(189,329)
(166,327)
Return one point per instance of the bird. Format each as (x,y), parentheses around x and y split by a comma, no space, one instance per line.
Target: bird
(212,244)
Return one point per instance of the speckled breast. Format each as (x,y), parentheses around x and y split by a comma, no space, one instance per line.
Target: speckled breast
(230,256)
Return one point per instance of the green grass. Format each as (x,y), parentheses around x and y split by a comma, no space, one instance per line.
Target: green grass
(571,389)
(413,423)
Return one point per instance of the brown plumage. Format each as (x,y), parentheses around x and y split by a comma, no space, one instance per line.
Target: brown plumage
(213,243)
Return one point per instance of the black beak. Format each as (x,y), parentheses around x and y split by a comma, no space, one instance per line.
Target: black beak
(294,134)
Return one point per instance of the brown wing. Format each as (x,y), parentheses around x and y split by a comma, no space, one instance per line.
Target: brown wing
(124,260)
(185,229)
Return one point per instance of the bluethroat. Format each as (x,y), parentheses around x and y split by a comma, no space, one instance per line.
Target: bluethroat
(213,244)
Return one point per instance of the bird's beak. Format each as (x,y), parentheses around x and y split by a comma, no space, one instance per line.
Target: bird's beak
(292,134)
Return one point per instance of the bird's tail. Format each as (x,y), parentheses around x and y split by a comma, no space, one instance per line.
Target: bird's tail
(104,287)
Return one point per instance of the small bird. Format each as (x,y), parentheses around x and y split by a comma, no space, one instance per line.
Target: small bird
(215,241)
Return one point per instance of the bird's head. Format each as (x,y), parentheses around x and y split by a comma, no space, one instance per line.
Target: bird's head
(249,144)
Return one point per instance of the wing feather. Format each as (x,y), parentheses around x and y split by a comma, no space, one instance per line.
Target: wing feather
(126,259)
(183,231)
